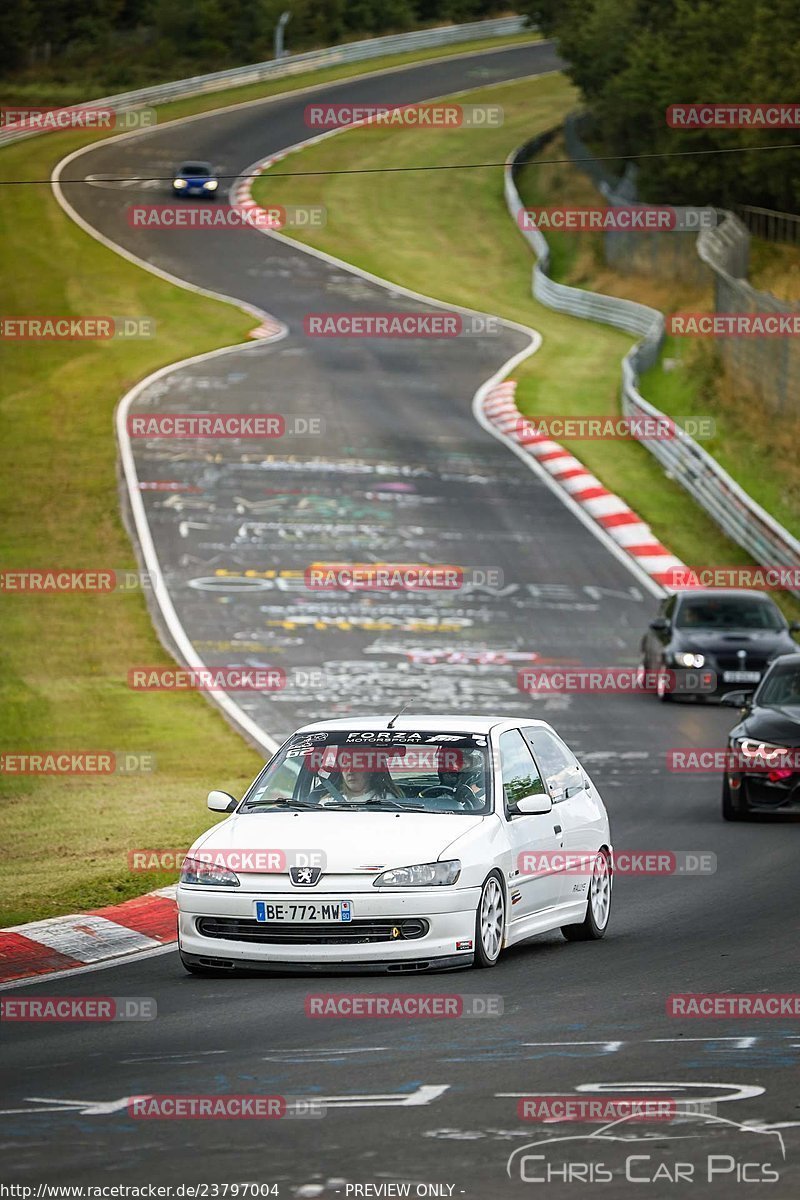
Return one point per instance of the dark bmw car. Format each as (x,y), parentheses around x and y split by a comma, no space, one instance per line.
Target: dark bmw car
(733,633)
(764,774)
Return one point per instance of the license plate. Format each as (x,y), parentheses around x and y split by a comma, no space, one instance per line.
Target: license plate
(741,676)
(300,911)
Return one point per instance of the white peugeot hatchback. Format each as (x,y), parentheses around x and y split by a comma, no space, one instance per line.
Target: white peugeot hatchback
(399,845)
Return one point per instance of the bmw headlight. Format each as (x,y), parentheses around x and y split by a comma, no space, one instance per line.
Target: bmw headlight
(766,751)
(687,659)
(438,874)
(197,870)
(211,185)
(179,183)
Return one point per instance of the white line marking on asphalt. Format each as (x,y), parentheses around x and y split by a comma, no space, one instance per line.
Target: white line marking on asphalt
(85,1107)
(425,1094)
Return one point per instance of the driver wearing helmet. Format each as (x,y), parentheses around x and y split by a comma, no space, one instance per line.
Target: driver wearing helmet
(461,768)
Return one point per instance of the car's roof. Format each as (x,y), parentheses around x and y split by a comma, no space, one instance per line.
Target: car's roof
(444,722)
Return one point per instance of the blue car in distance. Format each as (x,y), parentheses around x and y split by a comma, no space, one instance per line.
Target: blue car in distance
(195,179)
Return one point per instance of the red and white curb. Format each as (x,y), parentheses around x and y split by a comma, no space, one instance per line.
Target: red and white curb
(64,943)
(610,512)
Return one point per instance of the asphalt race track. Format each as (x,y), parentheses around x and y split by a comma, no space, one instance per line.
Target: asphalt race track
(404,473)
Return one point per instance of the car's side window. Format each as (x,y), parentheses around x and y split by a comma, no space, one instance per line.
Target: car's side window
(558,764)
(520,775)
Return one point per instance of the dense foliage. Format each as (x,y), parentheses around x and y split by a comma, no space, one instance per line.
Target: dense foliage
(633,58)
(122,43)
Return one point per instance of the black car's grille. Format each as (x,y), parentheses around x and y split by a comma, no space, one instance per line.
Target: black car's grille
(278,933)
(756,661)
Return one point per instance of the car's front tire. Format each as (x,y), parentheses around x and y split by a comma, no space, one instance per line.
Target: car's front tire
(490,921)
(598,904)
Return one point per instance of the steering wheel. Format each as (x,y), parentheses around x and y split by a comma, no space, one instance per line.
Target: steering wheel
(464,795)
(435,791)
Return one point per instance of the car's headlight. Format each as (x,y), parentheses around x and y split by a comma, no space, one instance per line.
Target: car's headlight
(195,870)
(438,874)
(685,659)
(211,184)
(179,183)
(767,751)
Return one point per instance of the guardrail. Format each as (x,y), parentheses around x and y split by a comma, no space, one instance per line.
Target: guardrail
(295,64)
(719,256)
(736,513)
(771,225)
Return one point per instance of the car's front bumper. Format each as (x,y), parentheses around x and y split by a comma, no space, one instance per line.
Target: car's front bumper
(753,792)
(449,913)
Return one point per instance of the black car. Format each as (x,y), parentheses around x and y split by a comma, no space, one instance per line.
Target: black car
(764,773)
(731,634)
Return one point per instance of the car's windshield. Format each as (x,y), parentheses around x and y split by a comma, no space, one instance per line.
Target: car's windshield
(781,686)
(195,169)
(728,612)
(382,771)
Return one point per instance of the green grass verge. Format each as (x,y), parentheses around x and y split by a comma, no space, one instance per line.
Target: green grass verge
(65,657)
(448,234)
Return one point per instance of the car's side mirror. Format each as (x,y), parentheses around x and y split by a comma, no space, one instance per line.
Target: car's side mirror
(659,624)
(221,802)
(794,626)
(736,699)
(531,805)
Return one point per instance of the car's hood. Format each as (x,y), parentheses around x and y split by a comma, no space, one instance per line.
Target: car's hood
(350,841)
(781,726)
